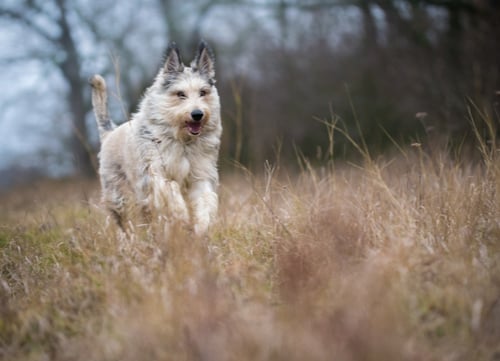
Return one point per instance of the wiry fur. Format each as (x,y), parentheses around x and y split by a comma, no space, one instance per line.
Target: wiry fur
(162,160)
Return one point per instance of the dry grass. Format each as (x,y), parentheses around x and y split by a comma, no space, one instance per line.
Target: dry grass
(394,260)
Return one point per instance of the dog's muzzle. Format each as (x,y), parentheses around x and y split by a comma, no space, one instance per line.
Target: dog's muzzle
(194,125)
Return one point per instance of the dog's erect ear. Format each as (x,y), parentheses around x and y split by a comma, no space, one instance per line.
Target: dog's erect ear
(173,61)
(204,61)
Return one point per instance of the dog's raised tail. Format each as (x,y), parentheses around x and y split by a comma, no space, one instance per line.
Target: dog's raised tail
(100,105)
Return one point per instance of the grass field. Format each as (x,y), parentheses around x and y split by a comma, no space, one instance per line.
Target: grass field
(396,259)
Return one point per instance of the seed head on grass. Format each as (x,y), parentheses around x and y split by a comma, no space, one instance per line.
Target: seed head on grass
(394,260)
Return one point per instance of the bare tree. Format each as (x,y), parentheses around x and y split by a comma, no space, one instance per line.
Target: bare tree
(176,14)
(61,41)
(286,62)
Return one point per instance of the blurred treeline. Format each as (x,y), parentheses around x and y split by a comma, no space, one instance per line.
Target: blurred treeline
(386,70)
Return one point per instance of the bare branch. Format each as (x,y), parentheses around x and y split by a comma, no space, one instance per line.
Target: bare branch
(28,22)
(311,6)
(9,60)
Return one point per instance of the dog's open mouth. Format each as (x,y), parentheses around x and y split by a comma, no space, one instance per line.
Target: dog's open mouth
(194,127)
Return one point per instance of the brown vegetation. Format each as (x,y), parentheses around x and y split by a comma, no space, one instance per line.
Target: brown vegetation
(397,259)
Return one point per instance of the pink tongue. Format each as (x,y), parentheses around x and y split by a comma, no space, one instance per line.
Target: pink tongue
(194,127)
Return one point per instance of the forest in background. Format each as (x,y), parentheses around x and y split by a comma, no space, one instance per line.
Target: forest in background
(385,70)
(391,256)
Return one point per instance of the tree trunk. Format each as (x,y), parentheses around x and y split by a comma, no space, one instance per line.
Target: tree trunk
(70,68)
(173,21)
(370,33)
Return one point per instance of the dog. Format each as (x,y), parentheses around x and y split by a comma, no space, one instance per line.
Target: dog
(164,160)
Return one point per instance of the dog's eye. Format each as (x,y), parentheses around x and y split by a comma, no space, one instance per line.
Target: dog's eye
(181,95)
(203,93)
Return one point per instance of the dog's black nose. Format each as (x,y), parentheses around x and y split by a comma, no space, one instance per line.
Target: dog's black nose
(197,114)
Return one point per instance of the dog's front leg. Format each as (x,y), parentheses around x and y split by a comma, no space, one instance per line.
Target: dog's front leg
(167,197)
(204,202)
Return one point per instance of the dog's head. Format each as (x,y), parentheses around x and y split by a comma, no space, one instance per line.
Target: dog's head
(186,96)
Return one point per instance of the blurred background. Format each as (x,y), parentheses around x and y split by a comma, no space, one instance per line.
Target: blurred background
(387,70)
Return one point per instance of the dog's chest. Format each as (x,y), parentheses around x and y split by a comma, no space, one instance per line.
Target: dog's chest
(179,161)
(175,163)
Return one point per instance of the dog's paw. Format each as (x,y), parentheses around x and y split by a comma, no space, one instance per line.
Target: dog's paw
(179,211)
(201,223)
(200,229)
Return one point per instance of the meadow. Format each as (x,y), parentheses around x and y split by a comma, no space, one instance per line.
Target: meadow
(394,258)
